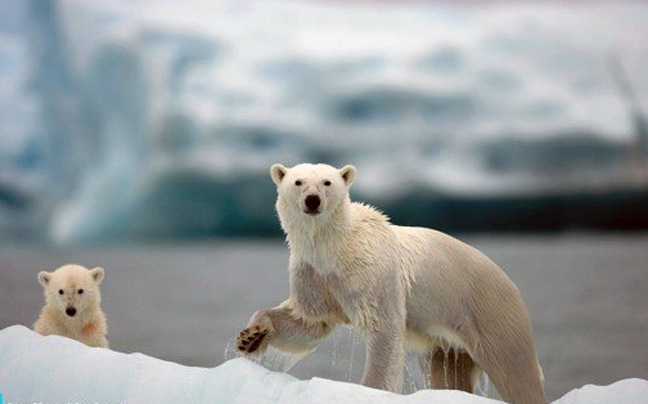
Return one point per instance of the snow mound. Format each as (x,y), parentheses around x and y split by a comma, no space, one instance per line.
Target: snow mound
(55,369)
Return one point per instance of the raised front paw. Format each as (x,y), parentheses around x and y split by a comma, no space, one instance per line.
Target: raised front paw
(250,339)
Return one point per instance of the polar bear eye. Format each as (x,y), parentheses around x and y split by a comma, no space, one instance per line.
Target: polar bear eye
(298,183)
(327,183)
(60,291)
(80,291)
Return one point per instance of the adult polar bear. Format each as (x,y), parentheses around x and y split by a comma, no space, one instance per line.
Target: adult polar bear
(399,286)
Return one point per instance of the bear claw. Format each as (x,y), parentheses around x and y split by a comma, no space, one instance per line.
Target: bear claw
(250,339)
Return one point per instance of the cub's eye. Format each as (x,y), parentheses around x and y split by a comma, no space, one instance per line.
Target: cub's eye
(327,183)
(80,291)
(60,291)
(298,183)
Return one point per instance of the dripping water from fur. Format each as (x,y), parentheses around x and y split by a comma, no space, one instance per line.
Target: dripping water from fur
(354,343)
(230,350)
(414,373)
(484,388)
(336,337)
(409,386)
(277,360)
(273,359)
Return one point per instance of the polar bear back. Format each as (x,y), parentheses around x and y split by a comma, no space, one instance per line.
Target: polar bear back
(451,282)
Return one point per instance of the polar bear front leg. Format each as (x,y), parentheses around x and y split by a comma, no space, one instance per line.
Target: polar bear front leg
(283,329)
(385,359)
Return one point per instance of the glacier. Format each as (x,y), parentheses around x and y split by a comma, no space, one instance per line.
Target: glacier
(54,369)
(159,119)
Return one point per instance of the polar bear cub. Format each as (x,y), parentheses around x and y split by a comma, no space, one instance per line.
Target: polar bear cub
(400,287)
(72,305)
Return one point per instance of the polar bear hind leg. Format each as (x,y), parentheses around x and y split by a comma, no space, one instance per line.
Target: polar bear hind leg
(515,374)
(507,356)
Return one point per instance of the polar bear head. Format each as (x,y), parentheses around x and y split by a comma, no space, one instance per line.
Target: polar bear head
(72,289)
(311,190)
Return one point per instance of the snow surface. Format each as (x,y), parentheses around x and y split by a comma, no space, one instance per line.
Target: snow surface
(59,370)
(136,117)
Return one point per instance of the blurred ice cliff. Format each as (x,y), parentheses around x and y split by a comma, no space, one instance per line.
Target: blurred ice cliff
(138,120)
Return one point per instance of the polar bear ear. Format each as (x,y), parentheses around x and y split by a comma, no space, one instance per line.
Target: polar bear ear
(348,174)
(44,278)
(278,172)
(97,274)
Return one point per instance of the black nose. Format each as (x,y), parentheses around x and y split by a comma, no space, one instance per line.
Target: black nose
(312,202)
(70,311)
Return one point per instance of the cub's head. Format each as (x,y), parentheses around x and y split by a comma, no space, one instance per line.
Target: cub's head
(72,289)
(311,190)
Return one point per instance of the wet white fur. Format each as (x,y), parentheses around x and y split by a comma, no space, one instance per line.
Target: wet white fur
(88,325)
(399,286)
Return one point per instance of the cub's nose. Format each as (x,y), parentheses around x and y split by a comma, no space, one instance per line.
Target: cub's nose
(312,202)
(70,311)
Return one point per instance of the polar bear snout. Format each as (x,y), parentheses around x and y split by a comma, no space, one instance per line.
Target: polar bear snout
(71,311)
(312,203)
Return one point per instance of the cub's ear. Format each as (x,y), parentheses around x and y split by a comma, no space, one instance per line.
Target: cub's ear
(44,278)
(97,274)
(278,172)
(348,174)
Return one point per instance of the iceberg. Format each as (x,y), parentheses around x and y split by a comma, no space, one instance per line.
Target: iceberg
(160,119)
(59,370)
